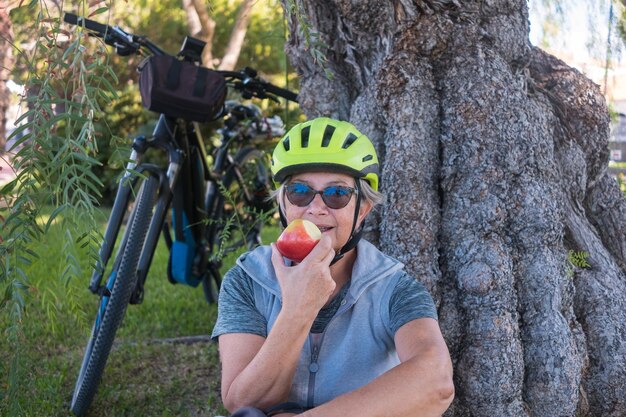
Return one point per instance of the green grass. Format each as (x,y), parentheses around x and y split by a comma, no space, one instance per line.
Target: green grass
(143,376)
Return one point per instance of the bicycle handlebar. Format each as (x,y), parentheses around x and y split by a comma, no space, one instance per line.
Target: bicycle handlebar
(284,93)
(92,25)
(249,83)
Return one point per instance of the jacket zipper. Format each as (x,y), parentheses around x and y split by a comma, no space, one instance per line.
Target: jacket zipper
(316,340)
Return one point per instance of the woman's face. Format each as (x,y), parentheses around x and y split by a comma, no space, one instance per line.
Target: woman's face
(337,223)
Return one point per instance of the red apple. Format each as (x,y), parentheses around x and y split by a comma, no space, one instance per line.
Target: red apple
(298,239)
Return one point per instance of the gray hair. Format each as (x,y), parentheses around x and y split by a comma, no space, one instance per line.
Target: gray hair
(367,193)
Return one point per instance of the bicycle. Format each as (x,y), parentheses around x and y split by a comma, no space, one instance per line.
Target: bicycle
(236,186)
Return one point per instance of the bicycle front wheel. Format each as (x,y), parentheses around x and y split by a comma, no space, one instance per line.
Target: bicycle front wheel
(115,297)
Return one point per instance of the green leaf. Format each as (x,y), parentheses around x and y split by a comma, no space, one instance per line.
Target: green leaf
(93,176)
(53,216)
(8,291)
(93,187)
(82,236)
(111,73)
(18,122)
(21,285)
(18,298)
(89,160)
(69,50)
(24,260)
(31,253)
(110,88)
(8,187)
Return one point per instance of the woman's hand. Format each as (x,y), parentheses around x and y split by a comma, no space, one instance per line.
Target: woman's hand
(307,286)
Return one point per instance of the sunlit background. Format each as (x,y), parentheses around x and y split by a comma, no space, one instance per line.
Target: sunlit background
(584,34)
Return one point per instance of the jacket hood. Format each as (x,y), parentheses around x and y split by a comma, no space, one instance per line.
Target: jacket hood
(371,265)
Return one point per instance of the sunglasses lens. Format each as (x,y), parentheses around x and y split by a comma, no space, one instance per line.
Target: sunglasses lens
(300,194)
(337,197)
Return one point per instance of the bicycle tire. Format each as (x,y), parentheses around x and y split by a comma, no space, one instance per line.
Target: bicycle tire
(111,309)
(247,182)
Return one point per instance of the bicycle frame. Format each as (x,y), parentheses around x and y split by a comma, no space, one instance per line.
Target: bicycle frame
(169,137)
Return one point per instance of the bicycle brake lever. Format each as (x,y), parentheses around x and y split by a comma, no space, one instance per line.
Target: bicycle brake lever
(241,87)
(123,50)
(123,42)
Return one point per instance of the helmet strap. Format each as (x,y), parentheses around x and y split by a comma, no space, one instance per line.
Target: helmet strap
(355,235)
(283,219)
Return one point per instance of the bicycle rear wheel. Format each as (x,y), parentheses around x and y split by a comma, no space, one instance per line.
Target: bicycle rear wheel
(243,213)
(115,297)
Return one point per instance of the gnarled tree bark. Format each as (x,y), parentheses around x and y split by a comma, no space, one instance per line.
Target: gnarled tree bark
(494,163)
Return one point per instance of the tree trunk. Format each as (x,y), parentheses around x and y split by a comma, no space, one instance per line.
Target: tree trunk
(494,164)
(193,19)
(201,26)
(237,35)
(6,64)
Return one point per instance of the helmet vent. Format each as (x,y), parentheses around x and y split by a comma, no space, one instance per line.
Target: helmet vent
(328,134)
(305,136)
(367,158)
(286,143)
(349,140)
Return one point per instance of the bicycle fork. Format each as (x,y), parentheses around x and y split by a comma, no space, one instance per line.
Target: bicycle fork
(116,217)
(133,172)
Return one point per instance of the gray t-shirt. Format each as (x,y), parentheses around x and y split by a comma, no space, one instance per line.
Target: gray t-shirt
(237,312)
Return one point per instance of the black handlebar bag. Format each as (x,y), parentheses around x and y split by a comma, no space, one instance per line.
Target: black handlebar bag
(181,89)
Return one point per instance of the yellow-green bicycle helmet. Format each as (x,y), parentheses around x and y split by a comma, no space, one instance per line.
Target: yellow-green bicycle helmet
(325,144)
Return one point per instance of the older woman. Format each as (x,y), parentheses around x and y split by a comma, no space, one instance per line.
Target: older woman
(345,332)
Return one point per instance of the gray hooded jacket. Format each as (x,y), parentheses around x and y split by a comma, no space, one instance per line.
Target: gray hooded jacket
(357,345)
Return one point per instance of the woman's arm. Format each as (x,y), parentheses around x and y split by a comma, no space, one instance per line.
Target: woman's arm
(420,386)
(258,371)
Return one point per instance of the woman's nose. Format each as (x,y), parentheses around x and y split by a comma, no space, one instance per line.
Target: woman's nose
(317,204)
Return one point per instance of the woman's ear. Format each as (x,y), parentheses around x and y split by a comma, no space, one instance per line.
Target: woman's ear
(364,210)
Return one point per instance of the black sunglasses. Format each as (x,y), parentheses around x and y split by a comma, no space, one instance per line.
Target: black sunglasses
(334,196)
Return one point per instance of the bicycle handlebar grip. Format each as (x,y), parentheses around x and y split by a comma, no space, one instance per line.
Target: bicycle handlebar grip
(73,19)
(289,95)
